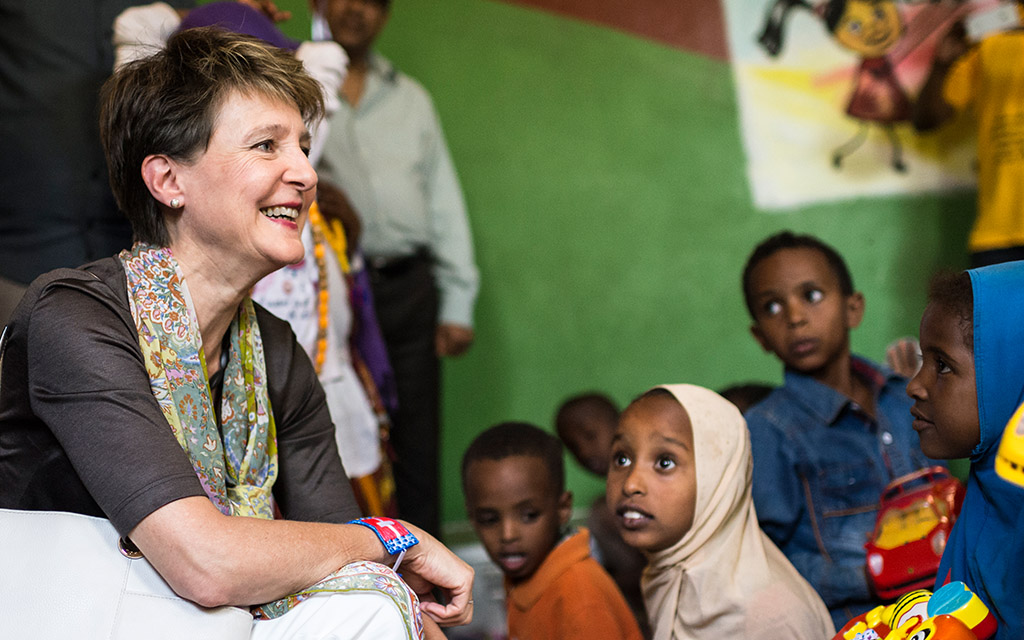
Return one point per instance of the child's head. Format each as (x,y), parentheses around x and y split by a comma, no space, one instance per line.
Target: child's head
(801,297)
(745,396)
(585,423)
(944,390)
(680,467)
(652,482)
(513,481)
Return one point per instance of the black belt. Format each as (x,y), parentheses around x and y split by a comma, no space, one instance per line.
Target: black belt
(397,265)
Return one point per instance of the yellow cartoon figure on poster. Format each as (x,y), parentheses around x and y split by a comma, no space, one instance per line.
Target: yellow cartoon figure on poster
(875,31)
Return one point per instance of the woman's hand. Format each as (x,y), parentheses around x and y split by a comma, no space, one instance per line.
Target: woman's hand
(430,565)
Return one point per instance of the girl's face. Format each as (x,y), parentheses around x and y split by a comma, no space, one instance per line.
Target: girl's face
(652,482)
(945,391)
(869,28)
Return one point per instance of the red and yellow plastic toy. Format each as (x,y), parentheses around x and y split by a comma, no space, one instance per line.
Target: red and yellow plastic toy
(915,518)
(953,612)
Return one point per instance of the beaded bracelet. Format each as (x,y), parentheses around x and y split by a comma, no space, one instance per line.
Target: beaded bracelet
(392,534)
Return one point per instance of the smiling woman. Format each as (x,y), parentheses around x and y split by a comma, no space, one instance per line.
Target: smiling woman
(245,196)
(202,400)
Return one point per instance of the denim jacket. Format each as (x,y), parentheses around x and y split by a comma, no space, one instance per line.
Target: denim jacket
(820,466)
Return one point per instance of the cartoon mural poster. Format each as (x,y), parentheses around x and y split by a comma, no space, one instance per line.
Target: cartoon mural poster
(826,93)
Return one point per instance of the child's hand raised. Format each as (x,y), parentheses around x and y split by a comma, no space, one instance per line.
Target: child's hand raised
(269,9)
(904,356)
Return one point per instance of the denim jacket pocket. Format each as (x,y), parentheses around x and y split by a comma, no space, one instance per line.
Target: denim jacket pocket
(844,497)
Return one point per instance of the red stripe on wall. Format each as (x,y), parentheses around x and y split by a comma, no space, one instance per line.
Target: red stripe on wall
(692,25)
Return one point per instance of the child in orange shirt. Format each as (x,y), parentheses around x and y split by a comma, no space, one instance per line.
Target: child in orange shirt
(514,484)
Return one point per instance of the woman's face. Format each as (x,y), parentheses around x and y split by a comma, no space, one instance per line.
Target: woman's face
(247,196)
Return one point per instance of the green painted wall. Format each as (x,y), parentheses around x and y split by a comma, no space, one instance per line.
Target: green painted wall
(610,209)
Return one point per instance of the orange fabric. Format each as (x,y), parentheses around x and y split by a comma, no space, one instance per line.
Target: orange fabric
(570,596)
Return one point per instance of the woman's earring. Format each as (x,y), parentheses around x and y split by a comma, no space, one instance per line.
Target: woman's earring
(175,203)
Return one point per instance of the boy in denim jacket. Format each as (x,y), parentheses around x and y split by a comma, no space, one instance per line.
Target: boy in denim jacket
(826,442)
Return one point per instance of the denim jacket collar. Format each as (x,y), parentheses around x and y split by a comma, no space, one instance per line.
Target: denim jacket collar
(827,404)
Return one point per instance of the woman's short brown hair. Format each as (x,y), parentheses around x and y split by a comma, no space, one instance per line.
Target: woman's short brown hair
(167,103)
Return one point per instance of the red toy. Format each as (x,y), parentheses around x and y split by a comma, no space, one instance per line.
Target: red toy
(917,513)
(953,612)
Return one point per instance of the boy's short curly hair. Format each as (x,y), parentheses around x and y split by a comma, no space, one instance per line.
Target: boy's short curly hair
(168,104)
(518,439)
(746,395)
(789,240)
(586,404)
(952,291)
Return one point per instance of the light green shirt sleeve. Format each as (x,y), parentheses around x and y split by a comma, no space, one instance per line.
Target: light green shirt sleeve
(389,155)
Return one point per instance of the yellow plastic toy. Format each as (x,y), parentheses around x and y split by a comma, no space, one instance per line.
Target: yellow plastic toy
(1010,456)
(953,612)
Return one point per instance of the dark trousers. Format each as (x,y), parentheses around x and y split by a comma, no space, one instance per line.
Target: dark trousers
(406,299)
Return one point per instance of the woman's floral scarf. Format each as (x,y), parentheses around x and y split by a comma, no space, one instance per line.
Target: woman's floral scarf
(237,463)
(237,469)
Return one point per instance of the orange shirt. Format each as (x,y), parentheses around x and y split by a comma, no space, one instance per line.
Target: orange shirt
(570,596)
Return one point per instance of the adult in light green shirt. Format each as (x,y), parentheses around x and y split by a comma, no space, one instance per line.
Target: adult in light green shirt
(386,151)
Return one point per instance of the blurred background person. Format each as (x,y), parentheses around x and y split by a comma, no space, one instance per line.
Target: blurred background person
(57,209)
(386,150)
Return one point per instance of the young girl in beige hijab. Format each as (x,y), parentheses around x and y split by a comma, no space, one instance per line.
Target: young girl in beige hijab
(679,485)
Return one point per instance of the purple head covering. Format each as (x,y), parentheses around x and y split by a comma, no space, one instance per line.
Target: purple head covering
(368,340)
(239,18)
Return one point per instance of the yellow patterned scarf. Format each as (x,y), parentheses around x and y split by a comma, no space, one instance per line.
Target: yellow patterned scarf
(237,470)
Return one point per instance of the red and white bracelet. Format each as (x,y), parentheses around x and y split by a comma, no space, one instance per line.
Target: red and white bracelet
(395,537)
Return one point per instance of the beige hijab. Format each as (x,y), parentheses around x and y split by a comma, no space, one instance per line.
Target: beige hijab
(725,579)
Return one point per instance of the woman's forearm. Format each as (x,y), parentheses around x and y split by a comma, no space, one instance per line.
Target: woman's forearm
(213,559)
